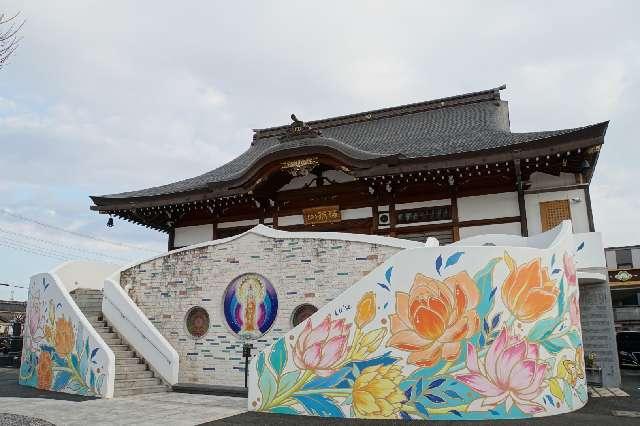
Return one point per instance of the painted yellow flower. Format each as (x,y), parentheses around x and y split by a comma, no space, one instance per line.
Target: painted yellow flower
(366,309)
(369,343)
(49,333)
(376,393)
(65,338)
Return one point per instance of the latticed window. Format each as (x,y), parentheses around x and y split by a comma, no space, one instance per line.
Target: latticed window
(554,212)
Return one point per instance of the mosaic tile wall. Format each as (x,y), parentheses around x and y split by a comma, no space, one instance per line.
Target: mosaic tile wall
(301,270)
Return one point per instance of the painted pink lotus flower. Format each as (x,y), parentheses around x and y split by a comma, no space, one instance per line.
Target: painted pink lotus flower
(570,269)
(34,321)
(574,310)
(322,347)
(509,373)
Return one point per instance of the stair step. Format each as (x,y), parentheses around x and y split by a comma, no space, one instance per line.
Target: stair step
(120,361)
(122,353)
(128,368)
(109,335)
(140,391)
(103,329)
(115,341)
(144,374)
(120,347)
(137,383)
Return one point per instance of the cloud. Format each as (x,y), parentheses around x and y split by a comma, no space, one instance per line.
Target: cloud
(108,97)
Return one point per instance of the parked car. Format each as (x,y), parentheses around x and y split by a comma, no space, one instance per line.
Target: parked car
(628,348)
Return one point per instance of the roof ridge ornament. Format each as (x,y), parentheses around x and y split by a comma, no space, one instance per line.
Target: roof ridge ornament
(299,130)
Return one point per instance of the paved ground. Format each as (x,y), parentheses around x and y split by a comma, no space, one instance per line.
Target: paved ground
(190,409)
(155,409)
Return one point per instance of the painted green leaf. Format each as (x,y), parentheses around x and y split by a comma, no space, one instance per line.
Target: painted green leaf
(574,338)
(60,380)
(543,329)
(287,381)
(278,356)
(484,281)
(320,405)
(555,345)
(267,385)
(283,409)
(260,364)
(568,394)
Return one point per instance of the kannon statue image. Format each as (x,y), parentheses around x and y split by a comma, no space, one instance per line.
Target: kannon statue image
(250,305)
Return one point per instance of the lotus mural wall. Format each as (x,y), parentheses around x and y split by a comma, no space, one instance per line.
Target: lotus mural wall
(445,333)
(61,350)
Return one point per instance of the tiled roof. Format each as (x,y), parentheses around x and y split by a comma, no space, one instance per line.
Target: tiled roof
(450,126)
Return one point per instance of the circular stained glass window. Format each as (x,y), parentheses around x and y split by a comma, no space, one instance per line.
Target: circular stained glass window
(250,305)
(301,313)
(197,321)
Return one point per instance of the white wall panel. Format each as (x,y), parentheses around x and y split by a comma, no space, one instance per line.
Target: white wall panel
(488,206)
(188,235)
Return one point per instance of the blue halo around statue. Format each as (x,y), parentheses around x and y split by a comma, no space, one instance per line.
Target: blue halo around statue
(250,305)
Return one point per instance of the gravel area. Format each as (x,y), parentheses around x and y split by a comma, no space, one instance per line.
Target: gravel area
(7,419)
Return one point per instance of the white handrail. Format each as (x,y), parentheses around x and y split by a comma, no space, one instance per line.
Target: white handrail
(134,326)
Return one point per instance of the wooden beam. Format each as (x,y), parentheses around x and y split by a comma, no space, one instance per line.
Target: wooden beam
(492,221)
(171,240)
(587,199)
(522,208)
(454,215)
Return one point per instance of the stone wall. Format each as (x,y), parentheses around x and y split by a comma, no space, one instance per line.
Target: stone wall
(311,271)
(598,329)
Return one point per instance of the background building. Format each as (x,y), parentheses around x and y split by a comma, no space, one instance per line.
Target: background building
(624,278)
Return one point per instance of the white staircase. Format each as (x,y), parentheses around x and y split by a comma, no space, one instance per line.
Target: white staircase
(133,376)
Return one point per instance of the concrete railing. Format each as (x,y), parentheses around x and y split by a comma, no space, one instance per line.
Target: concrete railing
(460,332)
(134,327)
(62,351)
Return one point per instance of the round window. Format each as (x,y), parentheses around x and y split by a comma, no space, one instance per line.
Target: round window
(197,321)
(301,313)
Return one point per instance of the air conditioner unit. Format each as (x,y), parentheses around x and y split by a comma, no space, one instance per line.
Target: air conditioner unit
(384,218)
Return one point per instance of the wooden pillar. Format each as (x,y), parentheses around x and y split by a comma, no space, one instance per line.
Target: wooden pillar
(374,219)
(275,215)
(587,199)
(172,236)
(524,231)
(455,221)
(214,231)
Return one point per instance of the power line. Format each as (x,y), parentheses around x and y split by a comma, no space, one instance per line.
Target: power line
(27,250)
(53,243)
(77,234)
(52,252)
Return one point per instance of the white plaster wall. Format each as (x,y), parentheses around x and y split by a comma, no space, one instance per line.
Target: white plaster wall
(635,257)
(501,228)
(237,223)
(579,217)
(420,204)
(188,235)
(541,180)
(296,219)
(361,213)
(488,206)
(84,274)
(612,263)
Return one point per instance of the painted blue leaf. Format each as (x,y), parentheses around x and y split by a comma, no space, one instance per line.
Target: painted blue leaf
(407,393)
(453,259)
(484,281)
(384,286)
(481,340)
(555,271)
(561,306)
(452,394)
(283,409)
(319,405)
(495,320)
(384,359)
(59,305)
(493,293)
(333,381)
(385,305)
(581,246)
(278,356)
(260,363)
(75,362)
(405,416)
(553,259)
(494,412)
(94,352)
(419,387)
(436,383)
(92,379)
(61,380)
(434,398)
(79,341)
(61,362)
(387,274)
(422,409)
(455,412)
(438,264)
(485,325)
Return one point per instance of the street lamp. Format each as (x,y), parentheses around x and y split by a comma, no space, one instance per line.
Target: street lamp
(12,286)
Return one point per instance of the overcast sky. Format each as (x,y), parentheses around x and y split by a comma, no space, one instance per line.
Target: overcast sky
(105,97)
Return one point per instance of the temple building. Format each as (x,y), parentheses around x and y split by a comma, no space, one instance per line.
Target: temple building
(449,168)
(624,278)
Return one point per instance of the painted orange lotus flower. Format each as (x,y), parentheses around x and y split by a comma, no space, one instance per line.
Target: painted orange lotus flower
(366,309)
(528,292)
(45,375)
(434,318)
(65,338)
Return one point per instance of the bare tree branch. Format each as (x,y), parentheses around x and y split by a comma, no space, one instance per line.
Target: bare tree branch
(9,40)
